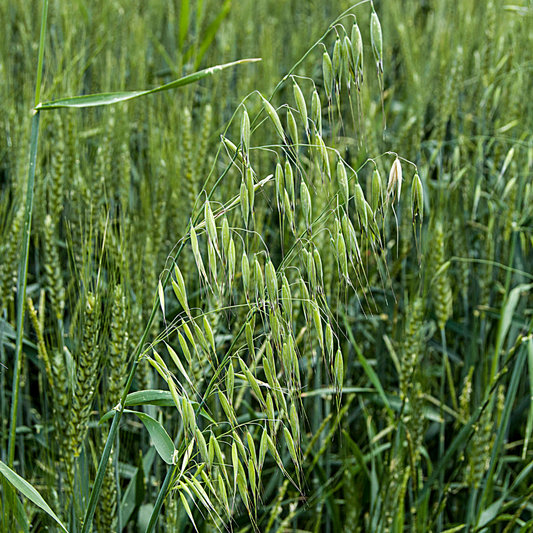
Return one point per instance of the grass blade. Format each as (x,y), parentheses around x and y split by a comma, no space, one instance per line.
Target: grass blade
(95,100)
(29,491)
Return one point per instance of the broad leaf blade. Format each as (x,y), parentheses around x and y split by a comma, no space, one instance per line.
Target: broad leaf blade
(162,442)
(94,100)
(25,488)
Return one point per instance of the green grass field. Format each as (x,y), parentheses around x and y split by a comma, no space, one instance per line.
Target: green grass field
(289,294)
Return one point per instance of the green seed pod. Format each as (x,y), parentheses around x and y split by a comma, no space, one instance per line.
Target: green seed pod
(209,334)
(286,358)
(304,295)
(376,38)
(245,274)
(301,105)
(295,423)
(377,191)
(316,112)
(231,261)
(245,203)
(196,253)
(243,486)
(232,149)
(263,446)
(337,64)
(272,283)
(339,370)
(251,448)
(327,71)
(311,272)
(188,332)
(286,297)
(417,198)
(290,446)
(329,340)
(271,417)
(245,132)
(275,326)
(292,127)
(272,113)
(342,178)
(240,446)
(324,158)
(269,374)
(360,207)
(212,259)
(347,60)
(224,495)
(250,188)
(179,290)
(211,450)
(251,477)
(295,364)
(230,413)
(210,224)
(202,446)
(341,254)
(280,183)
(185,349)
(289,183)
(305,199)
(274,452)
(357,53)
(249,329)
(318,325)
(201,337)
(288,209)
(226,236)
(191,417)
(259,281)
(230,382)
(318,266)
(235,461)
(394,185)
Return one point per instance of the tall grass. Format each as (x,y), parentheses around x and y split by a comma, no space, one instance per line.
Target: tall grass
(203,269)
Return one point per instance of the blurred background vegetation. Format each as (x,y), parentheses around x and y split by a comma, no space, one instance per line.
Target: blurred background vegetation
(433,429)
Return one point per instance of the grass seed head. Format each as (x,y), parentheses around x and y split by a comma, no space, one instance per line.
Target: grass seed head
(300,104)
(376,39)
(327,72)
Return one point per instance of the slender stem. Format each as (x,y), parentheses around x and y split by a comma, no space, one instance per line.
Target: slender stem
(21,287)
(161,498)
(41,54)
(23,265)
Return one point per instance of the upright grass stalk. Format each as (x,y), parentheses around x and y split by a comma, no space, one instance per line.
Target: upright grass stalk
(23,266)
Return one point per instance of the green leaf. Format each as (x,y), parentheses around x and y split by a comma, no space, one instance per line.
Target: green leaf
(162,398)
(23,486)
(94,100)
(162,442)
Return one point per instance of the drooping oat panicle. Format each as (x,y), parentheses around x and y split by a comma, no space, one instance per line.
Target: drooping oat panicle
(273,114)
(305,199)
(394,185)
(417,198)
(357,53)
(342,178)
(376,38)
(245,133)
(301,106)
(327,72)
(292,128)
(337,65)
(316,112)
(377,191)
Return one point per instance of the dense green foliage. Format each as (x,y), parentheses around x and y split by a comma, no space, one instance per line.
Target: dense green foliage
(324,322)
